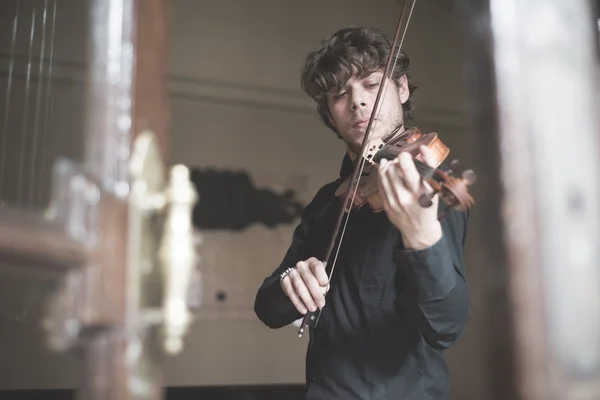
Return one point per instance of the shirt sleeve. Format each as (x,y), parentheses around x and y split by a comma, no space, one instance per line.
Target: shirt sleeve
(271,305)
(435,293)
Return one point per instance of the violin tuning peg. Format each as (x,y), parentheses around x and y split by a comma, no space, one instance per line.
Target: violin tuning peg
(454,166)
(469,176)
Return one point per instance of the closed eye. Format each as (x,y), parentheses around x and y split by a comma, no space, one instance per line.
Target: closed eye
(339,94)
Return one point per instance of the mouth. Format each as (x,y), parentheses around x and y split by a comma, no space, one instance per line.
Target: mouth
(361,123)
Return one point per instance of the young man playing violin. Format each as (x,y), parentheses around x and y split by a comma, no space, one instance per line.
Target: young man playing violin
(398,297)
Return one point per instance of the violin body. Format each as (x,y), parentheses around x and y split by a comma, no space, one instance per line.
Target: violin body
(452,189)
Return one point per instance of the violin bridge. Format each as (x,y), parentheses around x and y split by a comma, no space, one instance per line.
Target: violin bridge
(372,148)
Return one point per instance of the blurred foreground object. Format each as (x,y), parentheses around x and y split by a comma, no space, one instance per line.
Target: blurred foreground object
(532,72)
(117,236)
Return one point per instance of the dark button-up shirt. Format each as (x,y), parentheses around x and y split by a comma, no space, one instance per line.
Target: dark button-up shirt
(390,312)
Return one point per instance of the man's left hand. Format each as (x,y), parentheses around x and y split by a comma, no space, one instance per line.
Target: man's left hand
(400,186)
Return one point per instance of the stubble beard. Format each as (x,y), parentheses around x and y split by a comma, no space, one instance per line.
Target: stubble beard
(382,128)
(380,132)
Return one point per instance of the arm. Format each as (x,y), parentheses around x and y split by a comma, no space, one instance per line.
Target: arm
(436,295)
(271,304)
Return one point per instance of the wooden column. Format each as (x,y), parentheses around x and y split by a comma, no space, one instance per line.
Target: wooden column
(533,80)
(117,234)
(151,105)
(123,353)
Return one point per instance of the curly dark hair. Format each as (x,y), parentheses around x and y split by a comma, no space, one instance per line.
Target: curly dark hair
(330,66)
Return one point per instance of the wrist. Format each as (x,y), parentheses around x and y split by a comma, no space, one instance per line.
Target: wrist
(423,238)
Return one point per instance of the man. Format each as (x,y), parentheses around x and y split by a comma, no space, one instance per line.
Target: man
(398,296)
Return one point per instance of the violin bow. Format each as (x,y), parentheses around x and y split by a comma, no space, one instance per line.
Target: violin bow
(311,318)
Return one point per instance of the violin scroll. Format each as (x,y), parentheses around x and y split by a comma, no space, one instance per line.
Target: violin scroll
(452,186)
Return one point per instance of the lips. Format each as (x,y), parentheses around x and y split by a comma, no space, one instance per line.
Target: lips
(361,123)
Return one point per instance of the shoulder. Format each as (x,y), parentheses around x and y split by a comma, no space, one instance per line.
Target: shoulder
(321,201)
(327,191)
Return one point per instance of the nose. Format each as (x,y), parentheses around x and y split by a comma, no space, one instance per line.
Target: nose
(358,105)
(359,99)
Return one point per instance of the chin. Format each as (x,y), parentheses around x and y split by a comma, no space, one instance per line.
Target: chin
(354,140)
(373,135)
(355,147)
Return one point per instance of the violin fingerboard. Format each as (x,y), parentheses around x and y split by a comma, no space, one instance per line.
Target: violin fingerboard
(389,153)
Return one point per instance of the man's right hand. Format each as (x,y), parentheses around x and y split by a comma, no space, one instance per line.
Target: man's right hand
(306,285)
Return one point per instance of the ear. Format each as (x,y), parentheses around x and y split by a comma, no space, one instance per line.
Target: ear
(403,90)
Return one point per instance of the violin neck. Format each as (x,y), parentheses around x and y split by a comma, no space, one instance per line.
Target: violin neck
(425,170)
(388,152)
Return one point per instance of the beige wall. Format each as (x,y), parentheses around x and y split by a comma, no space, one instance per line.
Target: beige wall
(234,82)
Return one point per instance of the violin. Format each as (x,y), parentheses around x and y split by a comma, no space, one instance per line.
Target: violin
(362,187)
(452,188)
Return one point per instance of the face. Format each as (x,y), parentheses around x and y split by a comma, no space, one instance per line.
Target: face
(351,109)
